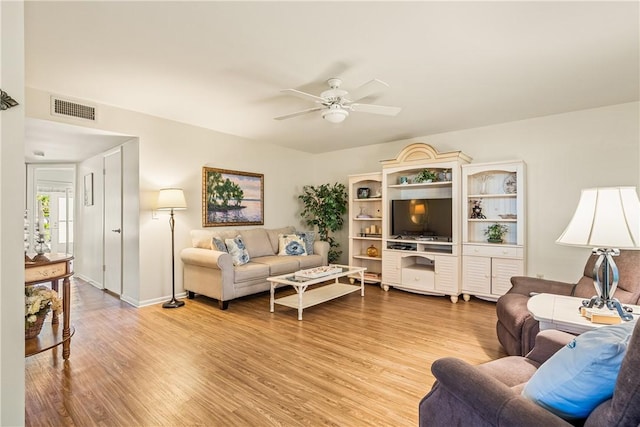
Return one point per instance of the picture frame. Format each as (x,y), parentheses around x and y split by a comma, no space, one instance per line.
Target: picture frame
(88,189)
(232,198)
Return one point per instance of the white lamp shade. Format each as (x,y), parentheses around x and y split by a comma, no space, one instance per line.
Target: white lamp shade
(171,198)
(605,218)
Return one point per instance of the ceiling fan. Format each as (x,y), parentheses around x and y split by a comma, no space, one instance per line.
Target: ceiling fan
(336,103)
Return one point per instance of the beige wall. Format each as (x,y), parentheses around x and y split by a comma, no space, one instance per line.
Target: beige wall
(12,183)
(564,154)
(172,154)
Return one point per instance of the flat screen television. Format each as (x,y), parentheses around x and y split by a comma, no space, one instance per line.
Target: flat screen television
(421,217)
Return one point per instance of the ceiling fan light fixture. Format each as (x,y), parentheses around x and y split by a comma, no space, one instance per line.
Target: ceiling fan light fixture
(335,114)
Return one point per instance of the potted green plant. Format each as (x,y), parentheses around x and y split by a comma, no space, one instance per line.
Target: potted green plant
(495,233)
(426,176)
(324,207)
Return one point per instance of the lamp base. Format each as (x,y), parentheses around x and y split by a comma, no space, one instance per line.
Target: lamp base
(611,304)
(174,303)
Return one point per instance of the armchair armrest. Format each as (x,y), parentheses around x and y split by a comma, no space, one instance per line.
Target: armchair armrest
(490,399)
(527,285)
(548,342)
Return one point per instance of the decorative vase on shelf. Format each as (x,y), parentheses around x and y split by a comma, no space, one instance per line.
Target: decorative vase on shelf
(372,251)
(494,240)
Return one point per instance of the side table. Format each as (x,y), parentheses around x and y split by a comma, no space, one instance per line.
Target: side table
(563,313)
(54,268)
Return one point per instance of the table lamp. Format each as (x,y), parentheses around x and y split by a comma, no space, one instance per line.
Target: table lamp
(606,220)
(172,199)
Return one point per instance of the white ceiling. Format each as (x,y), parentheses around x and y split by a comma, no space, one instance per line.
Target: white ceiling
(450,65)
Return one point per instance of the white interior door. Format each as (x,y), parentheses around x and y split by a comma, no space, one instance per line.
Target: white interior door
(113,222)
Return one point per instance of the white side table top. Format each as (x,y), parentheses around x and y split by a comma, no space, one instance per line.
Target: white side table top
(562,313)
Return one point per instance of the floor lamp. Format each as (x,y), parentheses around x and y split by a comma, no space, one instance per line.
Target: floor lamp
(172,199)
(606,220)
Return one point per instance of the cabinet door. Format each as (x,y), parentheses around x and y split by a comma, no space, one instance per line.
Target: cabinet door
(502,269)
(391,267)
(447,274)
(476,274)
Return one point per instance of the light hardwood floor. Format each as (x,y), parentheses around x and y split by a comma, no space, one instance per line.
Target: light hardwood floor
(351,362)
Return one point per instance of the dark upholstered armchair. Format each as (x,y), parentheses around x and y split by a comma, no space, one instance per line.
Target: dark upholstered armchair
(490,394)
(517,329)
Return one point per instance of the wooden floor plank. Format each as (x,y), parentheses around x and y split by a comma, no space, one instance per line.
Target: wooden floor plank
(352,361)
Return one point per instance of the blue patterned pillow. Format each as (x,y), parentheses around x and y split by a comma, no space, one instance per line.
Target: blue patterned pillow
(237,250)
(308,237)
(582,374)
(291,244)
(218,245)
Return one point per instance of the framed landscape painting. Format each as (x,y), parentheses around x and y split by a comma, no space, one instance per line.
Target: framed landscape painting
(232,198)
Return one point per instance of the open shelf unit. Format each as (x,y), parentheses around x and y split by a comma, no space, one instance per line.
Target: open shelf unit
(493,193)
(365,224)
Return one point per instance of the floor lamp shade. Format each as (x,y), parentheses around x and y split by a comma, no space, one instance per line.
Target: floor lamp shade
(171,198)
(605,217)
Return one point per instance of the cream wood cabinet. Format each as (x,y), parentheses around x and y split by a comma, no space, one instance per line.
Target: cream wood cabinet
(421,211)
(494,194)
(365,224)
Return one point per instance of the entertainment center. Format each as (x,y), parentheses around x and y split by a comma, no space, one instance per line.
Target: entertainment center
(423,217)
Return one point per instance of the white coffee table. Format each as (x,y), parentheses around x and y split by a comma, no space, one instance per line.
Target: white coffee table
(563,313)
(318,295)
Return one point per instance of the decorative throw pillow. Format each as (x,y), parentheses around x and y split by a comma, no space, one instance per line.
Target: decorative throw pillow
(218,245)
(291,244)
(237,250)
(581,375)
(308,237)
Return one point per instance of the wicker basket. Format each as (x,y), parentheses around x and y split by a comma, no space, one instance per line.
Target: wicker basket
(33,330)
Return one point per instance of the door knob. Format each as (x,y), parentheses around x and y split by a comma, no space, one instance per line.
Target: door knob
(117,230)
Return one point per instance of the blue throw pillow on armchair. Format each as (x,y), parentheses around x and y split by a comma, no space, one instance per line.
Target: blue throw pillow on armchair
(583,374)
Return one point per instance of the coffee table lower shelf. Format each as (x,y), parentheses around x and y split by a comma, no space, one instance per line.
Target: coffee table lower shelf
(324,292)
(317,296)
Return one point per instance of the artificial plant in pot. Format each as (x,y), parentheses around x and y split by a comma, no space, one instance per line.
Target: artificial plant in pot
(426,176)
(495,233)
(324,207)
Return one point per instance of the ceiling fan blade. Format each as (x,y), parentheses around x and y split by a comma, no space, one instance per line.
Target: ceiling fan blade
(366,89)
(375,109)
(303,95)
(298,113)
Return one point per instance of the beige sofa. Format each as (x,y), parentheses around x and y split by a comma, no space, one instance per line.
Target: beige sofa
(211,272)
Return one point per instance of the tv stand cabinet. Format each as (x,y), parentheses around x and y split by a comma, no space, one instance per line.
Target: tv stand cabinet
(427,266)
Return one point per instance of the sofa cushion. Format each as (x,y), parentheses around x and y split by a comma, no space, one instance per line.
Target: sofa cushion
(249,272)
(202,238)
(257,242)
(581,375)
(308,237)
(274,235)
(309,261)
(291,244)
(237,250)
(279,264)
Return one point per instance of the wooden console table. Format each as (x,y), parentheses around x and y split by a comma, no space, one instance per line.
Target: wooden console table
(54,268)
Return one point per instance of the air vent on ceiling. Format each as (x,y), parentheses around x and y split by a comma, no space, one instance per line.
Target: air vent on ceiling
(68,108)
